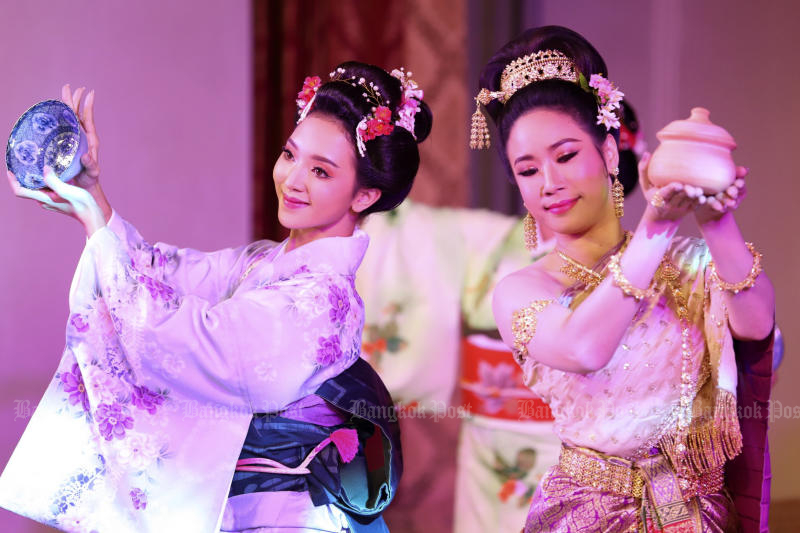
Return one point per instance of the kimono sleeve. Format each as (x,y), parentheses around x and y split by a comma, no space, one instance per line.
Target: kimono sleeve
(255,351)
(205,274)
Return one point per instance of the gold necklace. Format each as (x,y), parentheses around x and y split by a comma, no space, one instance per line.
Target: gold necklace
(580,272)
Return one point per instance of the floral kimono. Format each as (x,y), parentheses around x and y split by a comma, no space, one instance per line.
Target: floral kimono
(169,354)
(624,465)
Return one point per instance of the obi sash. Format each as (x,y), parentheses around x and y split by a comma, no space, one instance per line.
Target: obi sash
(492,383)
(363,487)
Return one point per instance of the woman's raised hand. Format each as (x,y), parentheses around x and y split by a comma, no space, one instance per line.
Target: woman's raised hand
(63,198)
(84,199)
(82,103)
(668,203)
(711,208)
(84,109)
(675,200)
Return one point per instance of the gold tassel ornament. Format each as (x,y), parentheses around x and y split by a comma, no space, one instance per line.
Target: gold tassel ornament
(618,193)
(709,443)
(479,132)
(531,234)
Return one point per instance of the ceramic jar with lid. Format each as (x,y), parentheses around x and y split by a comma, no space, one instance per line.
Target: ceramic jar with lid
(694,152)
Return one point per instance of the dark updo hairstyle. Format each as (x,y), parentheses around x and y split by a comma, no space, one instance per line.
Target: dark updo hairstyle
(628,158)
(560,95)
(391,161)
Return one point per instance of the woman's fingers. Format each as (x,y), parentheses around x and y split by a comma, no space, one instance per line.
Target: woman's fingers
(76,100)
(56,185)
(669,191)
(90,166)
(87,120)
(57,207)
(12,181)
(715,204)
(682,200)
(22,192)
(693,192)
(741,172)
(52,195)
(66,95)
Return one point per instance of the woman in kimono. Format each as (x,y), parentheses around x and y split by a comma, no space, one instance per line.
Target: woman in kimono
(628,337)
(205,392)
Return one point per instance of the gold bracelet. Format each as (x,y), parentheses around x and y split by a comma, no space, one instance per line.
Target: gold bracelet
(523,325)
(622,282)
(747,282)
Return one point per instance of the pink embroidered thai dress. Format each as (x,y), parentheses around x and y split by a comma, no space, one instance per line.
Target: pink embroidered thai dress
(626,414)
(168,354)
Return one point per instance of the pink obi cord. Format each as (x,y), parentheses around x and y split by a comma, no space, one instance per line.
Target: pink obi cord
(345,440)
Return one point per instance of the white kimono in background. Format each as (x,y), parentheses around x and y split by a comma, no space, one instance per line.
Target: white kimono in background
(427,280)
(168,355)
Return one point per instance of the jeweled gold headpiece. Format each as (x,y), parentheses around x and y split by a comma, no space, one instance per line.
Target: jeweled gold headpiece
(543,65)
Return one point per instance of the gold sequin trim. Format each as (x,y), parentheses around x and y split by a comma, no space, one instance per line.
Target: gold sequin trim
(523,325)
(599,471)
(620,476)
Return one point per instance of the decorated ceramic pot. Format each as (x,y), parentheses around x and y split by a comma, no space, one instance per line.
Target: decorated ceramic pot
(46,134)
(694,152)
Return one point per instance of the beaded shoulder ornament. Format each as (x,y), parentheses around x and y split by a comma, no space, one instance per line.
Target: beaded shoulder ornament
(544,65)
(380,121)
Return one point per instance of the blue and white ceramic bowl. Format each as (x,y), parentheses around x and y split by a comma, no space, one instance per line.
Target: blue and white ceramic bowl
(46,134)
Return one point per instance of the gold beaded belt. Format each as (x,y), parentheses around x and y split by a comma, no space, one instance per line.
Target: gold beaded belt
(626,478)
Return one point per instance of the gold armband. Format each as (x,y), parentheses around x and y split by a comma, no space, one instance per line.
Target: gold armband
(523,325)
(747,282)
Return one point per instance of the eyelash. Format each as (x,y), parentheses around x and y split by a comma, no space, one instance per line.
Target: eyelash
(320,172)
(561,159)
(317,171)
(566,157)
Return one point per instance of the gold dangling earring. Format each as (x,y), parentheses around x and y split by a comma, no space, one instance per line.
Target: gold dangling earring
(531,235)
(618,193)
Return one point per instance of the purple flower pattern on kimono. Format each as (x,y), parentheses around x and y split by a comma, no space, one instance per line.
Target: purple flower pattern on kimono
(188,335)
(113,420)
(72,381)
(139,498)
(340,304)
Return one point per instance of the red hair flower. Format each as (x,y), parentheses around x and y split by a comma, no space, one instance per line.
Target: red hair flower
(310,86)
(381,124)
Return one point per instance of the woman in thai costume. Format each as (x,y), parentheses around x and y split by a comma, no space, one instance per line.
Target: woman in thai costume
(206,392)
(628,337)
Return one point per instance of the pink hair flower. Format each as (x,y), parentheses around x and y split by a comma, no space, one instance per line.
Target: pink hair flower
(346,441)
(608,118)
(609,98)
(409,104)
